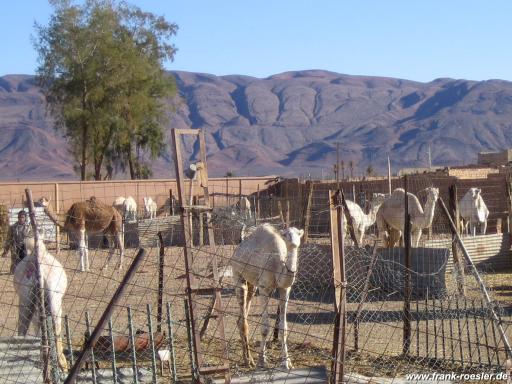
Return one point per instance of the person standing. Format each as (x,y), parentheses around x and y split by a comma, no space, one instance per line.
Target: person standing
(16,240)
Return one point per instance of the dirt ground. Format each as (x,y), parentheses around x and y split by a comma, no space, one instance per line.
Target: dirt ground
(310,321)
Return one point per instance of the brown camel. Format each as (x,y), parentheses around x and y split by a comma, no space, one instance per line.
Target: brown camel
(91,216)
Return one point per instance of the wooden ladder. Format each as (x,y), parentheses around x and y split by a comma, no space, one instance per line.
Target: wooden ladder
(193,289)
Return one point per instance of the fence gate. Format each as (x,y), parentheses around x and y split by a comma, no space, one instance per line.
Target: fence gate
(198,173)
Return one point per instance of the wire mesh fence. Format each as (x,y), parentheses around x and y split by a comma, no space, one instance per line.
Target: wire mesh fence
(449,332)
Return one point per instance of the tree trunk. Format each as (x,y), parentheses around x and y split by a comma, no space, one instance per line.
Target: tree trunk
(131,163)
(83,164)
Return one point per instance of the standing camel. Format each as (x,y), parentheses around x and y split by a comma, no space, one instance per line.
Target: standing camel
(55,283)
(90,216)
(473,211)
(391,215)
(266,259)
(362,221)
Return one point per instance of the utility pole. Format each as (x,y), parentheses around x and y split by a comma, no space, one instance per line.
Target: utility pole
(337,166)
(429,158)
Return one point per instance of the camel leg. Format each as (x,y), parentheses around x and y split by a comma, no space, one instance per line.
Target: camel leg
(56,311)
(483,227)
(251,290)
(472,228)
(27,309)
(82,249)
(265,327)
(284,295)
(120,245)
(415,237)
(111,250)
(243,326)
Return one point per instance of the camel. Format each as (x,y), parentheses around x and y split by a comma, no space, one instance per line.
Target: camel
(127,207)
(150,207)
(243,206)
(55,283)
(90,216)
(473,211)
(266,259)
(391,215)
(362,221)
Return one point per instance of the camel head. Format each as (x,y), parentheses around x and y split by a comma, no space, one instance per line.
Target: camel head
(292,236)
(432,193)
(377,199)
(475,193)
(43,202)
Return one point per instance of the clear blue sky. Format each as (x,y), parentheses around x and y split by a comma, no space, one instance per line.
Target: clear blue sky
(417,40)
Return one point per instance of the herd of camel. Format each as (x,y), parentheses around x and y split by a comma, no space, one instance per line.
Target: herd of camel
(266,259)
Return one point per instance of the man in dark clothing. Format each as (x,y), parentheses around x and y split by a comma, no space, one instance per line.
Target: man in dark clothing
(16,240)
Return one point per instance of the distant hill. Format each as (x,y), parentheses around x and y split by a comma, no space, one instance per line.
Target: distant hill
(287,124)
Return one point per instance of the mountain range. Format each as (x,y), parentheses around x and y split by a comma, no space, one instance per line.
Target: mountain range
(286,124)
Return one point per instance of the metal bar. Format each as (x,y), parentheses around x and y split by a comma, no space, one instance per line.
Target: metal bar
(160,282)
(407,275)
(489,360)
(171,343)
(68,340)
(417,328)
(442,329)
(503,335)
(39,288)
(190,336)
(57,228)
(434,318)
(112,342)
(452,350)
(93,360)
(459,331)
(475,321)
(132,344)
(427,314)
(103,319)
(467,331)
(152,344)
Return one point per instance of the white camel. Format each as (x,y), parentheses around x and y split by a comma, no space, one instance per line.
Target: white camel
(266,259)
(473,211)
(244,207)
(55,283)
(361,221)
(390,216)
(127,207)
(150,207)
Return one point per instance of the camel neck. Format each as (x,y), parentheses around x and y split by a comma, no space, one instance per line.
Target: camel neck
(291,259)
(372,215)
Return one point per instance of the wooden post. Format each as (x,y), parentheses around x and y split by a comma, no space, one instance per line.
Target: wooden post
(160,282)
(257,204)
(499,226)
(287,213)
(337,220)
(227,191)
(171,203)
(39,289)
(307,212)
(509,204)
(389,176)
(458,265)
(239,189)
(57,210)
(407,276)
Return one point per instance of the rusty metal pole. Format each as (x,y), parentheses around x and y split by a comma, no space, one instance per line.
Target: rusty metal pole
(407,275)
